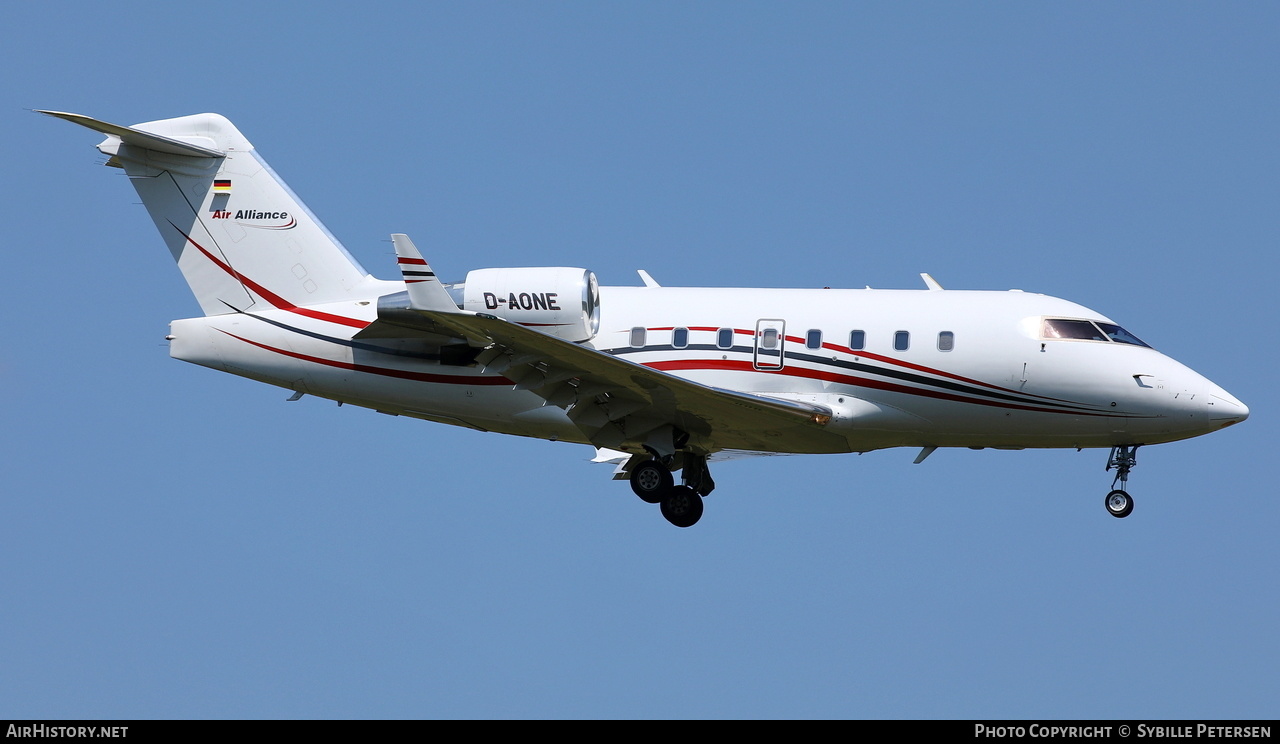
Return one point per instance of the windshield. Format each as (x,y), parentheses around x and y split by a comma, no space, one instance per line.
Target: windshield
(1120,335)
(1078,329)
(1088,330)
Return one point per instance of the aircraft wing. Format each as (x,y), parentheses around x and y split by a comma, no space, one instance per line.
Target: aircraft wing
(616,403)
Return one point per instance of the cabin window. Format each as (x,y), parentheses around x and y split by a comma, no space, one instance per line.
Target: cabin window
(946,341)
(724,338)
(901,340)
(769,338)
(813,339)
(680,338)
(637,337)
(857,340)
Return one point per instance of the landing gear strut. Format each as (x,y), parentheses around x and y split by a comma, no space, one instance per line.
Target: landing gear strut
(1123,459)
(681,505)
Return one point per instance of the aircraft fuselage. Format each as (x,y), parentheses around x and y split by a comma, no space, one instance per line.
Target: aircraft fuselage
(948,368)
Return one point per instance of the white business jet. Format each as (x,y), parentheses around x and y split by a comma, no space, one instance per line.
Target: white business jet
(660,380)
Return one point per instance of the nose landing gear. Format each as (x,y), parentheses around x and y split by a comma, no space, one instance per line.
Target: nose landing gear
(1119,503)
(1123,459)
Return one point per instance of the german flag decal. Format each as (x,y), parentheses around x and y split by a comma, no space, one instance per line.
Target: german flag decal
(222,187)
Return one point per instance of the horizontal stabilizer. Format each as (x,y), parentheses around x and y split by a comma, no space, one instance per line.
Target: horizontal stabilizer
(139,138)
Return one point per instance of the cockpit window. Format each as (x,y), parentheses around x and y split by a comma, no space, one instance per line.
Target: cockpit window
(1075,329)
(1087,330)
(1120,335)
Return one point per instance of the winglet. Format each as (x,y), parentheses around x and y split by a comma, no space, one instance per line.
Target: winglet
(425,290)
(648,280)
(931,283)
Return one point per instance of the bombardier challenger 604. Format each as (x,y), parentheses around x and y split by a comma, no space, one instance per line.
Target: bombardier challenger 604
(660,380)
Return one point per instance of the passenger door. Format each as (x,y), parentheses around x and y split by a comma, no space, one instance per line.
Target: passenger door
(769,340)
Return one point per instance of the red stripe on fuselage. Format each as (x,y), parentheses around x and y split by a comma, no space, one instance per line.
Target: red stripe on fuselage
(276,300)
(403,374)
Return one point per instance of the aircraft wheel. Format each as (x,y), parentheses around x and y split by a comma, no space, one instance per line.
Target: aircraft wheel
(651,481)
(1119,504)
(682,506)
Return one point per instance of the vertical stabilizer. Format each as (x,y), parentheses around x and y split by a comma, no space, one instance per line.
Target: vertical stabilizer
(242,239)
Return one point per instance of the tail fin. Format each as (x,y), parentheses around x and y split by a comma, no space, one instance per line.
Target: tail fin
(242,239)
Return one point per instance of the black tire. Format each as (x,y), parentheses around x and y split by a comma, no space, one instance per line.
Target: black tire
(651,481)
(1119,504)
(682,506)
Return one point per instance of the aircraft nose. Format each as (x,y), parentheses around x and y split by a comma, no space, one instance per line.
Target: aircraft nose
(1224,408)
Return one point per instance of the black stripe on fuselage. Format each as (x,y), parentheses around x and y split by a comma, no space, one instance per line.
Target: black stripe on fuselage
(346,342)
(898,374)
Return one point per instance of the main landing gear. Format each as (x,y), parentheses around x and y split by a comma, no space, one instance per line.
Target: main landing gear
(651,480)
(681,504)
(1123,458)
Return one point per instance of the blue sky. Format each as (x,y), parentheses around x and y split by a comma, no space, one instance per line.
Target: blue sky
(175,542)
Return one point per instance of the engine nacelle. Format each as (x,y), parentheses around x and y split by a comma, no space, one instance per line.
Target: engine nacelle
(558,301)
